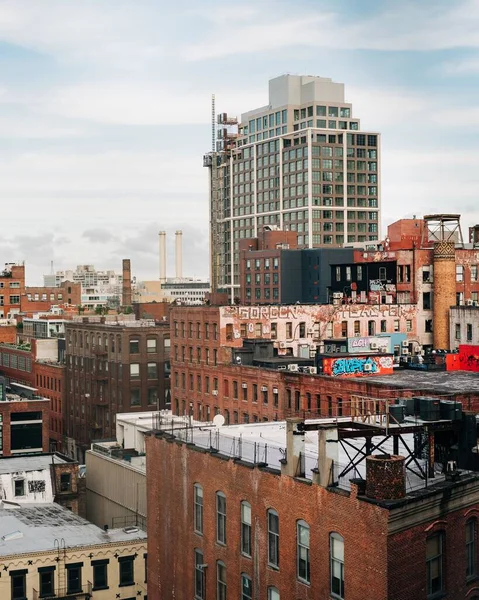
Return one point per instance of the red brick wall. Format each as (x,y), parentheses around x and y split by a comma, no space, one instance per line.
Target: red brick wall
(6,290)
(50,381)
(173,469)
(8,334)
(7,408)
(67,293)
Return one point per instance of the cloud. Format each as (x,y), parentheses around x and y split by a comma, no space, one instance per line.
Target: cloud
(98,236)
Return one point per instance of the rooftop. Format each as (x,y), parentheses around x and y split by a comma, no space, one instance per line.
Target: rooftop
(37,462)
(265,443)
(445,382)
(35,528)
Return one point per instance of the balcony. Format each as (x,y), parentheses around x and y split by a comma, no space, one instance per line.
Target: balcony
(83,593)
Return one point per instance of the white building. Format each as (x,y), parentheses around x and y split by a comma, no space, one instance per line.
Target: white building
(185,290)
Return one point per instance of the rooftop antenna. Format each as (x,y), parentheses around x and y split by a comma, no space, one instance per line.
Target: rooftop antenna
(51,268)
(213,123)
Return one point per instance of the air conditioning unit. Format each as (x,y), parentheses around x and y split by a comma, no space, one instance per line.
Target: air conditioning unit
(293,368)
(275,390)
(405,344)
(244,385)
(417,348)
(313,370)
(215,392)
(264,388)
(282,344)
(383,349)
(475,303)
(368,367)
(469,303)
(338,295)
(404,351)
(373,346)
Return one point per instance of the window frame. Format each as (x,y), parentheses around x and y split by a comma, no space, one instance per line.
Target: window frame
(248,594)
(430,560)
(246,530)
(69,580)
(471,549)
(198,508)
(333,562)
(221,589)
(50,591)
(220,519)
(303,552)
(122,561)
(20,575)
(100,565)
(273,539)
(199,575)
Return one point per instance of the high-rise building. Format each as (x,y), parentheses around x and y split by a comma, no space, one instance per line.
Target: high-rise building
(300,163)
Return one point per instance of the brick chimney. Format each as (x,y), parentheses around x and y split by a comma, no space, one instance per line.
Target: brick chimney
(385,477)
(126,295)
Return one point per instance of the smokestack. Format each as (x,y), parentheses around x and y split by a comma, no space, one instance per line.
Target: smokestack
(162,235)
(179,254)
(126,296)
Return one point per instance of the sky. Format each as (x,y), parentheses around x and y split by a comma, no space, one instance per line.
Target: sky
(105,113)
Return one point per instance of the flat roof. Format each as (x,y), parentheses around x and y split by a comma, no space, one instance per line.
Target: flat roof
(35,528)
(33,462)
(447,382)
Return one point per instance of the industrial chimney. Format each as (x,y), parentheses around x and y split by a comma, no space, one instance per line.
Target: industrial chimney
(179,254)
(126,296)
(162,235)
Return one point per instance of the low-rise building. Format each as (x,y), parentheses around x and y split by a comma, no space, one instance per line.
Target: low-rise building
(24,420)
(47,551)
(112,367)
(12,286)
(42,479)
(314,509)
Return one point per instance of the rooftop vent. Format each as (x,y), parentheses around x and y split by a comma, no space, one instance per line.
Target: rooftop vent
(14,535)
(131,530)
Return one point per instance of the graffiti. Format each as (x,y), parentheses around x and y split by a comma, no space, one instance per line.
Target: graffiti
(369,344)
(469,357)
(248,313)
(376,285)
(353,366)
(369,311)
(386,362)
(37,486)
(360,343)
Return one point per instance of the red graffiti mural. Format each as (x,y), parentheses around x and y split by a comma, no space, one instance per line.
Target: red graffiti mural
(469,358)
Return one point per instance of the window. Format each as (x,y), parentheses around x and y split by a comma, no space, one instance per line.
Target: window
(245,529)
(383,325)
(65,482)
(273,593)
(18,583)
(220,518)
(336,549)
(151,345)
(434,566)
(134,370)
(19,487)
(458,331)
(74,578)
(199,576)
(474,272)
(471,548)
(46,581)
(303,566)
(220,581)
(153,396)
(135,397)
(459,273)
(198,508)
(134,346)
(100,574)
(246,587)
(273,538)
(127,574)
(152,370)
(469,332)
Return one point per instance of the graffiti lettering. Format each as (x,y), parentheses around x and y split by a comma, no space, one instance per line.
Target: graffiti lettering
(360,343)
(247,313)
(350,366)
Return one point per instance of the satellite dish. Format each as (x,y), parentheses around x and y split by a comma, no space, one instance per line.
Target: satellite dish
(218,420)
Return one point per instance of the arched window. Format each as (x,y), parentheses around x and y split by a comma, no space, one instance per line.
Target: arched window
(198,508)
(302,551)
(273,538)
(220,580)
(245,528)
(246,587)
(471,535)
(336,551)
(220,518)
(434,563)
(273,593)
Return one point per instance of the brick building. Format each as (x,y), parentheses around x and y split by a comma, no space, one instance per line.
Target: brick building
(274,271)
(12,286)
(50,383)
(24,420)
(41,299)
(270,512)
(112,367)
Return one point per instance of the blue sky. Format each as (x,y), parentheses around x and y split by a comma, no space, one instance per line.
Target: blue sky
(105,112)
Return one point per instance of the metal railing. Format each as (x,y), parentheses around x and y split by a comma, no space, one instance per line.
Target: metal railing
(82,593)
